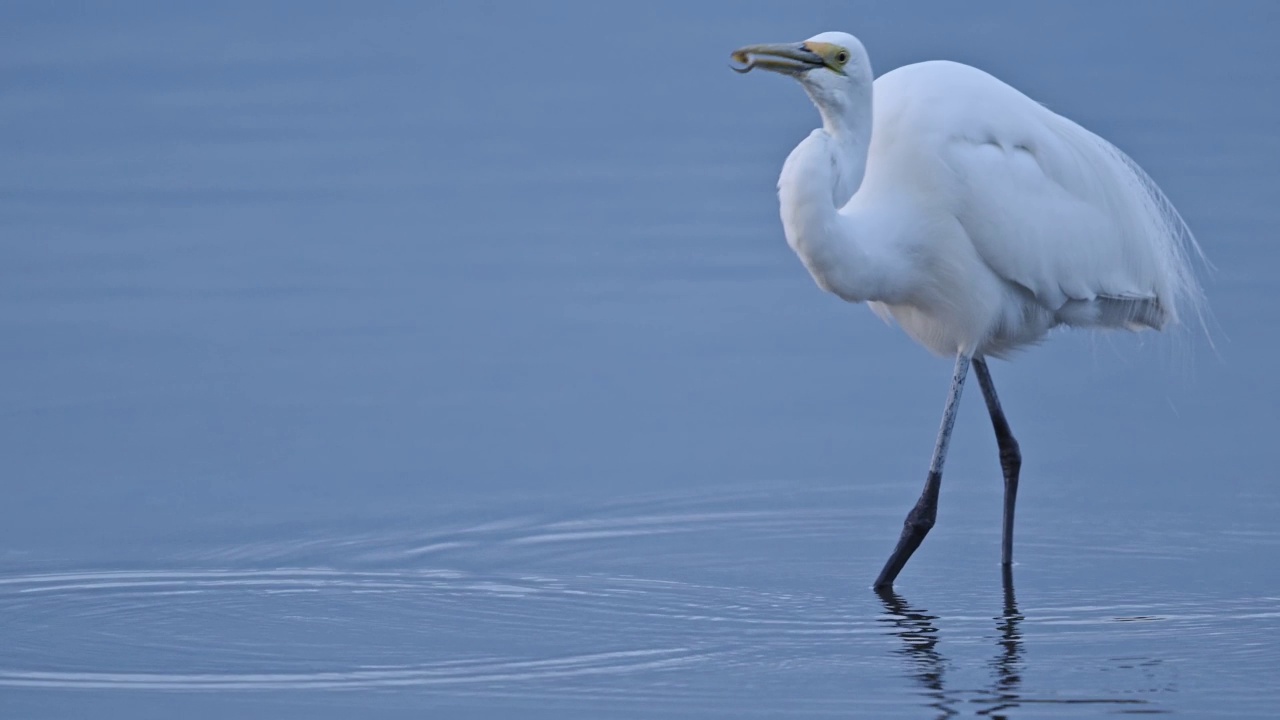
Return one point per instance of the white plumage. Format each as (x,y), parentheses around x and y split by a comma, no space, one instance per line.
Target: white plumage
(986,217)
(972,215)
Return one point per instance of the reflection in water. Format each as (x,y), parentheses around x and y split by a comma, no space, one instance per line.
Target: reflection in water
(1007,665)
(927,665)
(920,637)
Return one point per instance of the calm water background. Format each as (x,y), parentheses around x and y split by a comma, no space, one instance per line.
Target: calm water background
(405,358)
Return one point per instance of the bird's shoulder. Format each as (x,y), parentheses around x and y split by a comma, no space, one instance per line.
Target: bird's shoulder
(946,101)
(1046,204)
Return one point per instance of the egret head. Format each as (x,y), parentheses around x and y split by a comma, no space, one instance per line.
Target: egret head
(833,67)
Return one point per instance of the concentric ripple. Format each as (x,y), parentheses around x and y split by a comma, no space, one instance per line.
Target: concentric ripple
(273,629)
(724,601)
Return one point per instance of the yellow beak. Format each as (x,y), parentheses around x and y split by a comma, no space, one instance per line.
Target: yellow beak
(785,58)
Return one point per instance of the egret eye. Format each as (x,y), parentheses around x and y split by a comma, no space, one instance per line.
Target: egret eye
(842,57)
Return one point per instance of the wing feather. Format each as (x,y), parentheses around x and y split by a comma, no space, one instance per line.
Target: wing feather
(1048,205)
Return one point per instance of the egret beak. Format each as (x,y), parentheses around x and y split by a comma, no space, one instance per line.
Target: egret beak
(785,58)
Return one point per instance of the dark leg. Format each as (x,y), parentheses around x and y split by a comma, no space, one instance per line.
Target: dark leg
(923,515)
(1010,456)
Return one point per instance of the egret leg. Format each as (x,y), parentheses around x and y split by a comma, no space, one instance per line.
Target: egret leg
(925,513)
(1010,456)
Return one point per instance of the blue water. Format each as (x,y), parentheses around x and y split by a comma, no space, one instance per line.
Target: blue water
(405,359)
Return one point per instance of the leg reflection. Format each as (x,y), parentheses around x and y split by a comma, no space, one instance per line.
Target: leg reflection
(1007,665)
(1002,693)
(920,647)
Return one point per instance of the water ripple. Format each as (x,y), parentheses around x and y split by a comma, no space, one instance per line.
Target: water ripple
(423,675)
(658,600)
(236,620)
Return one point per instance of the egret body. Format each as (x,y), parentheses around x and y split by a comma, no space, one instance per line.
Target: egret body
(975,218)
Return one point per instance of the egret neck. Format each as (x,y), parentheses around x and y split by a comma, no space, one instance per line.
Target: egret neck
(846,119)
(819,178)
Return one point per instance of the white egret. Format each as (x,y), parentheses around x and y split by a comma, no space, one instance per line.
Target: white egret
(975,218)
